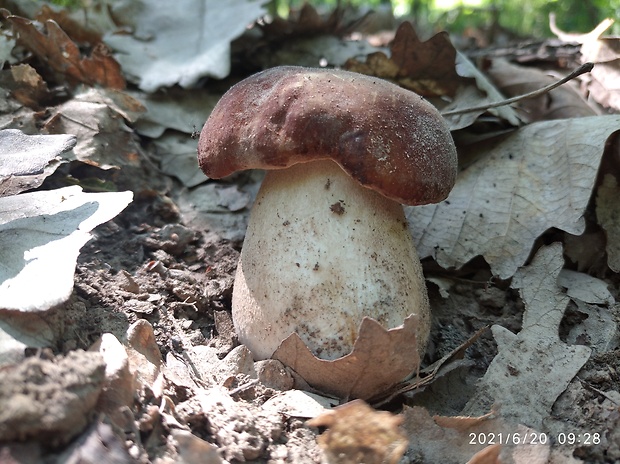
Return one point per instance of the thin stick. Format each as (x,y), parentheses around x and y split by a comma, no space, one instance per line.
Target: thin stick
(584,68)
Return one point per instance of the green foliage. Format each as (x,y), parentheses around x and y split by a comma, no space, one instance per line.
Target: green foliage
(530,17)
(68,3)
(521,17)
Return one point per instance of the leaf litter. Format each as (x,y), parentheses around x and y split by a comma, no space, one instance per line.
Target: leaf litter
(150,295)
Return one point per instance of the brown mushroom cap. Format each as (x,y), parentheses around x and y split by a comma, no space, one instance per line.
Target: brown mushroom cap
(387,138)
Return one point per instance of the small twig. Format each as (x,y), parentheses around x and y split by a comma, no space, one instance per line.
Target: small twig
(243,387)
(584,68)
(596,390)
(430,372)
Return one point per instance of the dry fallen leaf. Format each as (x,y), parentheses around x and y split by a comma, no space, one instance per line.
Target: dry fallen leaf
(118,388)
(428,65)
(533,367)
(177,155)
(26,160)
(608,215)
(427,68)
(96,117)
(380,359)
(476,90)
(201,208)
(356,433)
(488,455)
(51,226)
(602,82)
(586,288)
(25,85)
(175,109)
(78,32)
(169,47)
(53,46)
(539,177)
(145,360)
(561,103)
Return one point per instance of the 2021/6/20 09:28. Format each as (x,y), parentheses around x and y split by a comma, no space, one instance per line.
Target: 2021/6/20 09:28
(534,438)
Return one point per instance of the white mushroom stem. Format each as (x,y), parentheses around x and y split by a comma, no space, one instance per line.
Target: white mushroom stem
(320,253)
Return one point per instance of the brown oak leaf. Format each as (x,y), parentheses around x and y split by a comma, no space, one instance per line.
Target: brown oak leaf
(380,359)
(48,42)
(427,68)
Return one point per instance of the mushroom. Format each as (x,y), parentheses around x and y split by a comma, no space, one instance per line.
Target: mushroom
(327,241)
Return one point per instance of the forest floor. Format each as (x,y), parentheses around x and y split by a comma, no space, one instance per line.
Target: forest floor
(141,363)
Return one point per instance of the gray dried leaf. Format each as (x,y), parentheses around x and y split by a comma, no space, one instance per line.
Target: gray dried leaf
(26,160)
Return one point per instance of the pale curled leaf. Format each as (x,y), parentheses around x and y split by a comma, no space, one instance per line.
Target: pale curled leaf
(170,46)
(298,403)
(202,207)
(178,109)
(41,234)
(119,385)
(380,359)
(584,287)
(145,359)
(177,154)
(603,86)
(23,158)
(539,177)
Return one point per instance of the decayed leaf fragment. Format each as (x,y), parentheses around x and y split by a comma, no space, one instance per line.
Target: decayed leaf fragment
(427,68)
(357,433)
(54,47)
(362,373)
